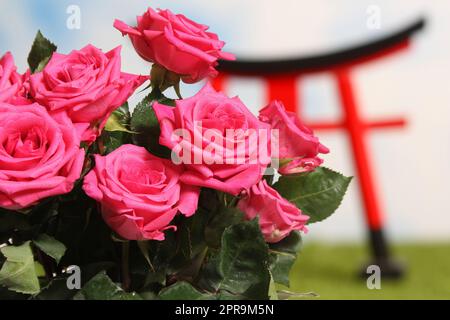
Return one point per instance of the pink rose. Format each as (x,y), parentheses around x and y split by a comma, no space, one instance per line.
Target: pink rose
(300,165)
(277,216)
(177,43)
(223,145)
(11,83)
(40,156)
(87,84)
(139,193)
(296,141)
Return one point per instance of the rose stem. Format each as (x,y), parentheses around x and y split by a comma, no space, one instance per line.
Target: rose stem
(125,266)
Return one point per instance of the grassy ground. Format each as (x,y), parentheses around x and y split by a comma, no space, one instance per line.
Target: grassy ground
(331,272)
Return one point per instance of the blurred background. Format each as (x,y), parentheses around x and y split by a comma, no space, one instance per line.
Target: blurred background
(412,164)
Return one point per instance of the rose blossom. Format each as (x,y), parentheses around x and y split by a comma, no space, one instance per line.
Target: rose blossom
(87,84)
(300,165)
(139,193)
(277,216)
(230,162)
(176,43)
(296,141)
(11,83)
(40,156)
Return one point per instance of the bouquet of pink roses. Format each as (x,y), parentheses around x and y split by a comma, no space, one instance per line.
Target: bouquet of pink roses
(174,201)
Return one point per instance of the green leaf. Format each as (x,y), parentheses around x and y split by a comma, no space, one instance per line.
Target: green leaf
(40,53)
(115,139)
(42,64)
(240,267)
(318,194)
(123,112)
(225,295)
(145,124)
(101,287)
(151,262)
(40,271)
(18,273)
(50,246)
(287,295)
(224,218)
(119,120)
(116,131)
(282,257)
(182,291)
(291,244)
(181,253)
(114,124)
(190,243)
(281,264)
(273,294)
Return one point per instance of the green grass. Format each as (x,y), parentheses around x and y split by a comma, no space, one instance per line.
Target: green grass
(331,271)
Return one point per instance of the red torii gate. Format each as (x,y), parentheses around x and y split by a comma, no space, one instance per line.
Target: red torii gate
(282,77)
